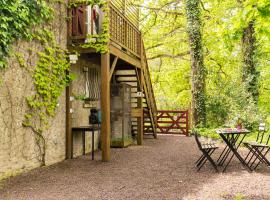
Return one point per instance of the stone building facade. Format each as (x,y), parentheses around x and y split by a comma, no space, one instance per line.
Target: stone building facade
(18,148)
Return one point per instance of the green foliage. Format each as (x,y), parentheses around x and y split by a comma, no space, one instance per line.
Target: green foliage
(228,97)
(50,79)
(20,19)
(207,133)
(193,12)
(50,76)
(17,17)
(80,97)
(239,197)
(250,74)
(167,48)
(225,104)
(223,22)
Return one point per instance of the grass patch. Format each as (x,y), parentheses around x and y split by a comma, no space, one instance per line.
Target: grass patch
(239,197)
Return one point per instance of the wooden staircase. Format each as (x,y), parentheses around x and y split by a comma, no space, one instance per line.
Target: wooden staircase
(132,77)
(138,77)
(150,107)
(126,48)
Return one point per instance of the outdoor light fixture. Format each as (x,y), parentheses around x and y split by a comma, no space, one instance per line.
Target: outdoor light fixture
(73,58)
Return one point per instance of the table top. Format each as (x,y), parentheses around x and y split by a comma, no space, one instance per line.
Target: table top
(86,128)
(231,131)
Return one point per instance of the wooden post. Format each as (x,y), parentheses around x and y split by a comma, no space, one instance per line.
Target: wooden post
(140,106)
(105,107)
(124,6)
(69,153)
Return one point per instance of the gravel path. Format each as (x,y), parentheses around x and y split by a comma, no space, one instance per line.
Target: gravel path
(161,169)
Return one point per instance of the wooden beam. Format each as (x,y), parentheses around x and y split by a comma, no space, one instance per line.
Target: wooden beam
(125,57)
(81,49)
(136,112)
(113,66)
(140,119)
(105,106)
(69,153)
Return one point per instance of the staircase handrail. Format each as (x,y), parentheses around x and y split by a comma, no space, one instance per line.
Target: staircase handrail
(149,87)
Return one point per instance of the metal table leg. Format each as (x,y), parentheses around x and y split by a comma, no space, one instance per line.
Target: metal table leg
(71,149)
(83,141)
(234,150)
(232,140)
(93,144)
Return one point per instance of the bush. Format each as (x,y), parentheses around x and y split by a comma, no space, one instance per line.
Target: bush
(226,105)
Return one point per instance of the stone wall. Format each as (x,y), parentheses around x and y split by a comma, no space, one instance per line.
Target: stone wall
(18,148)
(80,116)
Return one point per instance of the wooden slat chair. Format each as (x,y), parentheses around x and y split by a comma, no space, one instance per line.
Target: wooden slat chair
(258,150)
(207,149)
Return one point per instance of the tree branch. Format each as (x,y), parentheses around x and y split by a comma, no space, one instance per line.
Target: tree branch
(180,55)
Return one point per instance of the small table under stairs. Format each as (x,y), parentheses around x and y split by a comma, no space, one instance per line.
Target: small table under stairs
(84,130)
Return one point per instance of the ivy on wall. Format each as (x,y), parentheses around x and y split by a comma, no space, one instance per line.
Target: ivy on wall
(17,17)
(22,19)
(50,79)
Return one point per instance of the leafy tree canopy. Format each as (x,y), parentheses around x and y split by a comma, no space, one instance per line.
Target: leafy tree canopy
(165,35)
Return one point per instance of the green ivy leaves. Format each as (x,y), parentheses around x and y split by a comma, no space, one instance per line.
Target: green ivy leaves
(198,71)
(51,73)
(51,76)
(17,17)
(20,19)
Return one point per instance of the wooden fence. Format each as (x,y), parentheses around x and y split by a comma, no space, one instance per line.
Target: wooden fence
(173,122)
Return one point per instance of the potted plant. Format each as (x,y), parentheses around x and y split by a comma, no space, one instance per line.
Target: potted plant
(239,123)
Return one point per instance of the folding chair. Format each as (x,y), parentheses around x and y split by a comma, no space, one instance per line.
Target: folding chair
(258,149)
(207,149)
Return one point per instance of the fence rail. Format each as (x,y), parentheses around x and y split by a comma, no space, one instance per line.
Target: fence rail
(173,122)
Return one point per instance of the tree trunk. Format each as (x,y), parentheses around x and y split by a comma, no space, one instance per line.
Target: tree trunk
(198,71)
(250,74)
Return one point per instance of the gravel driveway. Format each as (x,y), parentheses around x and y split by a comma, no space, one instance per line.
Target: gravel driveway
(161,169)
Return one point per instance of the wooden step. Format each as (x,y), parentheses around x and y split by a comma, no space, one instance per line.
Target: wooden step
(127,79)
(124,72)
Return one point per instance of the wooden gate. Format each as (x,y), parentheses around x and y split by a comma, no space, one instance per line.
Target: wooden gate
(172,122)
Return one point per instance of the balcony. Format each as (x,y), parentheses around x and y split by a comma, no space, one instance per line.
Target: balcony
(126,55)
(123,25)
